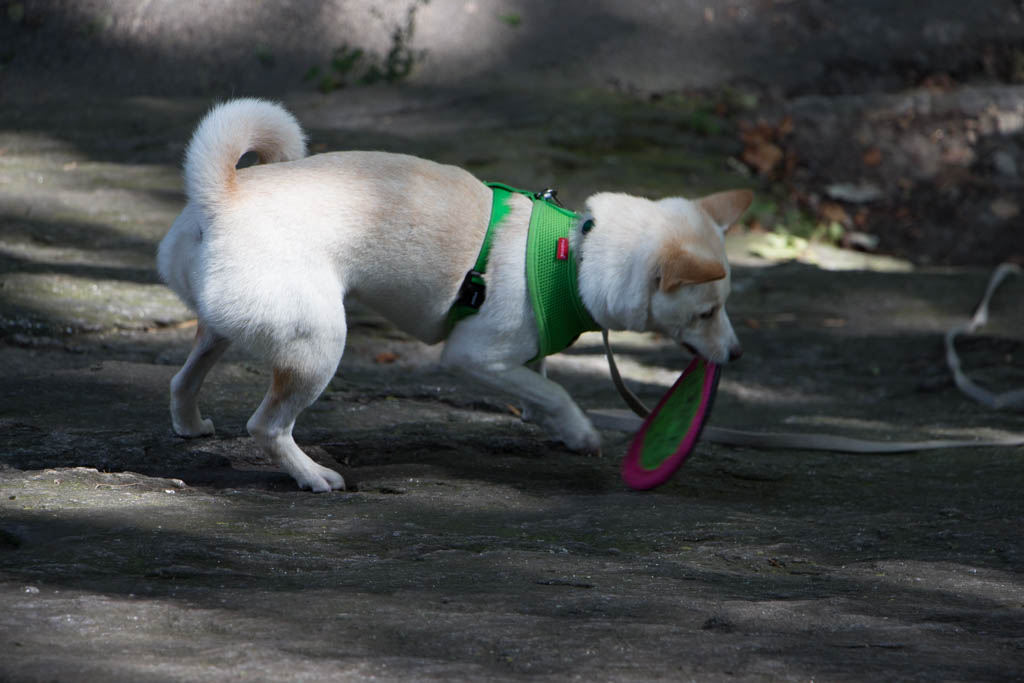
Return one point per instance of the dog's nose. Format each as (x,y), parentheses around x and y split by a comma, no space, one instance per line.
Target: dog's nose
(735,353)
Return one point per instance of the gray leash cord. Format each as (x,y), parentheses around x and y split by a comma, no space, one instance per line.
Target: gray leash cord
(631,399)
(963,382)
(622,421)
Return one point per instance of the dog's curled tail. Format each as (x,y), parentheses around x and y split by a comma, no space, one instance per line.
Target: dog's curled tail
(229,131)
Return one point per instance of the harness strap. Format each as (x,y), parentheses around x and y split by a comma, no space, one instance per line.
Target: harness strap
(551,275)
(551,279)
(474,289)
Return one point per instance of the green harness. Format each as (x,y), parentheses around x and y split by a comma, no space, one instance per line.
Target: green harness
(550,272)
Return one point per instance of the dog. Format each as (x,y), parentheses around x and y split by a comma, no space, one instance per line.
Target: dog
(266,256)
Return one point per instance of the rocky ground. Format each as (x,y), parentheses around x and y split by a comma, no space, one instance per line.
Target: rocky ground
(468,545)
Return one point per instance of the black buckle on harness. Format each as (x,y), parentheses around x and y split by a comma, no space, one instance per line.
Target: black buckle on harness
(548,195)
(473,290)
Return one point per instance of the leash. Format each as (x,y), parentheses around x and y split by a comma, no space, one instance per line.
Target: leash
(979,319)
(621,420)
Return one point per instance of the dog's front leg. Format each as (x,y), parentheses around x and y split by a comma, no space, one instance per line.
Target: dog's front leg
(540,367)
(547,404)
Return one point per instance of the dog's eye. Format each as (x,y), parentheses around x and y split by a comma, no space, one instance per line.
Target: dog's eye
(708,314)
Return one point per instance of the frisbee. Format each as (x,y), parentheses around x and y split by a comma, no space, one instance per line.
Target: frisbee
(670,432)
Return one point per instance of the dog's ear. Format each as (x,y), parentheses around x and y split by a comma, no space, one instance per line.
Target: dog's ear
(678,267)
(725,208)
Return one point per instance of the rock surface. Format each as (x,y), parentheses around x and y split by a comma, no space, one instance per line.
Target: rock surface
(469,546)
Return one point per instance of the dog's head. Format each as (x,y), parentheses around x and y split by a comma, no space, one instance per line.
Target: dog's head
(692,276)
(677,277)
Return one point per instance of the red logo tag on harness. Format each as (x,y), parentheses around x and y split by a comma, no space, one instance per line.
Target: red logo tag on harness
(562,251)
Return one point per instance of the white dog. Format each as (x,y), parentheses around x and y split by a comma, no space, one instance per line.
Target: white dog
(266,256)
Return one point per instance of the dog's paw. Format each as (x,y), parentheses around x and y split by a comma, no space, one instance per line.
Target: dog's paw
(320,479)
(194,429)
(575,430)
(584,441)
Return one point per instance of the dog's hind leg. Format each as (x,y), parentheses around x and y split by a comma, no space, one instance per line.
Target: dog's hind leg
(185,385)
(296,383)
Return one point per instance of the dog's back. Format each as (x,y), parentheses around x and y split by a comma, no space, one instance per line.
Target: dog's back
(280,241)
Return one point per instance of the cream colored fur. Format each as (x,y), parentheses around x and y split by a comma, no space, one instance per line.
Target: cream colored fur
(267,255)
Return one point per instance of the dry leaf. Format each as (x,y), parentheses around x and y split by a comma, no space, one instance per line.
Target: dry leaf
(385,357)
(760,148)
(834,213)
(784,128)
(763,156)
(872,157)
(756,135)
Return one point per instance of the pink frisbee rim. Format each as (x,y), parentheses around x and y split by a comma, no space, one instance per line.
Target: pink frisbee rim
(642,479)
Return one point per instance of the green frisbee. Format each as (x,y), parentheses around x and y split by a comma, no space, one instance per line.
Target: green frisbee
(670,432)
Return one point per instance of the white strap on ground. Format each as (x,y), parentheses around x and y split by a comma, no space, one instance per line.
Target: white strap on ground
(621,420)
(1009,399)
